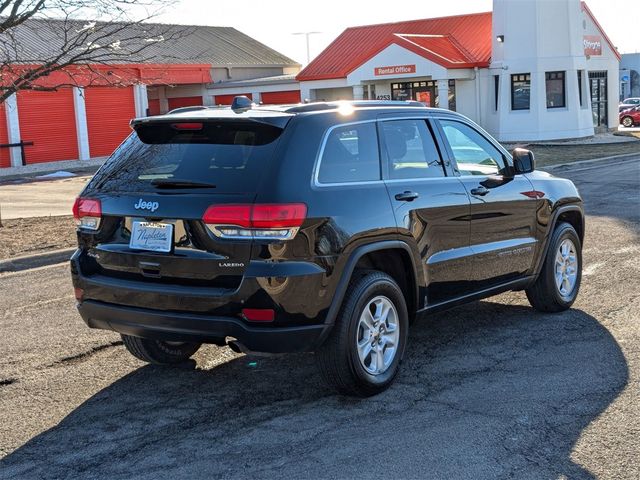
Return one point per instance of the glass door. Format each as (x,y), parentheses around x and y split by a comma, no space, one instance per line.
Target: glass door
(599,103)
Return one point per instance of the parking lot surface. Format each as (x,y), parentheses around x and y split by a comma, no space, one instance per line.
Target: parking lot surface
(489,390)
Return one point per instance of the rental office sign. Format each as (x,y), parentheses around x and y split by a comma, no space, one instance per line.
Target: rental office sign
(394,70)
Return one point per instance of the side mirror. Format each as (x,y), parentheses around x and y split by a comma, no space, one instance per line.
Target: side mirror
(523,161)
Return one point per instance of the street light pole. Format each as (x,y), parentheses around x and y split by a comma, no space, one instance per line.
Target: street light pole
(307,35)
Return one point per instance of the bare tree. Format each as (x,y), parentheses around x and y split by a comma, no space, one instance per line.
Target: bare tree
(44,44)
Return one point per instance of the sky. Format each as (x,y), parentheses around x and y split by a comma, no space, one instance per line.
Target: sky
(274,22)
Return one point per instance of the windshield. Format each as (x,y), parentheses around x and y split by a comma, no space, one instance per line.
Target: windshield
(229,156)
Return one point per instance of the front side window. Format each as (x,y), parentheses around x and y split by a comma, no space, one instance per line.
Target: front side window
(473,153)
(555,89)
(520,91)
(411,150)
(350,155)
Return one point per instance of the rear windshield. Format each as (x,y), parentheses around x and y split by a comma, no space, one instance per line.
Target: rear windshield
(230,156)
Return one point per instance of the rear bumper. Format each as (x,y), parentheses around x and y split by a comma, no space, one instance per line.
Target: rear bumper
(198,328)
(209,315)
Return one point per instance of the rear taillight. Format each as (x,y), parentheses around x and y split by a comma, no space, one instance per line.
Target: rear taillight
(87,213)
(278,221)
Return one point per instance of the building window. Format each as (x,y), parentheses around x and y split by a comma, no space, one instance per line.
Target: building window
(555,89)
(580,86)
(496,90)
(520,91)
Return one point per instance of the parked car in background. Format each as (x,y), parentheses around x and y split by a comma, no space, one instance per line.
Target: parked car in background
(630,117)
(325,227)
(629,103)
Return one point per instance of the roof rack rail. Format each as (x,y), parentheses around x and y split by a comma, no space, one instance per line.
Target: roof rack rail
(318,106)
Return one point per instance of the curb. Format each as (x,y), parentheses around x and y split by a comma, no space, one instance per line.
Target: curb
(592,160)
(27,262)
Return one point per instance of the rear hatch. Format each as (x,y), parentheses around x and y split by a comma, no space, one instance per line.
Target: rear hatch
(155,192)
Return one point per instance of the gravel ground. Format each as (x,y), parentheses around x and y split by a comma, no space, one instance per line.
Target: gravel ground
(488,390)
(25,236)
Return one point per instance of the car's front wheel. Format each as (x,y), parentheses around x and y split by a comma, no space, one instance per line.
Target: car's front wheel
(627,122)
(362,355)
(556,288)
(159,352)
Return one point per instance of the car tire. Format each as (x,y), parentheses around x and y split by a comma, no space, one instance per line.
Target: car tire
(159,352)
(373,318)
(627,122)
(558,283)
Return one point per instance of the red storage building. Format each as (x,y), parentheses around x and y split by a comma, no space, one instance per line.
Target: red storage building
(92,119)
(109,111)
(280,98)
(178,102)
(228,99)
(4,138)
(154,106)
(48,120)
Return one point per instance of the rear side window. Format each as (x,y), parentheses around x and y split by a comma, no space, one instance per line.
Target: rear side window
(411,150)
(350,154)
(230,155)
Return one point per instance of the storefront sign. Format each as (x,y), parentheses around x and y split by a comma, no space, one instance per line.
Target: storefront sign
(592,45)
(394,70)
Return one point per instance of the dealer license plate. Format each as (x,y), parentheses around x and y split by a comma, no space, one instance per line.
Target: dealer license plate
(156,237)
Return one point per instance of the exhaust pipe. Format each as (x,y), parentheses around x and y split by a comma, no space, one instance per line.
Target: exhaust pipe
(236,346)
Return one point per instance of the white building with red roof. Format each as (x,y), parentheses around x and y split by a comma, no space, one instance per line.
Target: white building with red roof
(529,70)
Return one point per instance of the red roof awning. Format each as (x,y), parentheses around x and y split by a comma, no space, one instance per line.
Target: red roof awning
(460,41)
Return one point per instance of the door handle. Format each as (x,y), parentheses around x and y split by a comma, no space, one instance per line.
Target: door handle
(407,196)
(480,191)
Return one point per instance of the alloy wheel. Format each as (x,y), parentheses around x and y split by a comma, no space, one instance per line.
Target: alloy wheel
(566,268)
(378,335)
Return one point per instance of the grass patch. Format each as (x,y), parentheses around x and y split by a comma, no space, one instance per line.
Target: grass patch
(25,236)
(554,154)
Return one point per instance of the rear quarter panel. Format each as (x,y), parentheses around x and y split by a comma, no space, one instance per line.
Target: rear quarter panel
(339,218)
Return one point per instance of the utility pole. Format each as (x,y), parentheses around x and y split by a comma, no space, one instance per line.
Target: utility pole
(307,35)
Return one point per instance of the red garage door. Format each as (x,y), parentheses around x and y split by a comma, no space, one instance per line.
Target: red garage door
(48,120)
(184,102)
(228,99)
(289,96)
(4,138)
(109,111)
(154,106)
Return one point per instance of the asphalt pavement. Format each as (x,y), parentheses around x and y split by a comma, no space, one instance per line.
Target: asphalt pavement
(40,198)
(489,390)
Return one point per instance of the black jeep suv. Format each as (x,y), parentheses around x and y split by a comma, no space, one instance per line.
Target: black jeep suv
(324,227)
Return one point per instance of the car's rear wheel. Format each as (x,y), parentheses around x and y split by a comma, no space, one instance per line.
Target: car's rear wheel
(627,122)
(362,355)
(159,352)
(556,288)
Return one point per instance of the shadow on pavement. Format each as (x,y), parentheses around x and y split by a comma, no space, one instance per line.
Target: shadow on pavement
(486,390)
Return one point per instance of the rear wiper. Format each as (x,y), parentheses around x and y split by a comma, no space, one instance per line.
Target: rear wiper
(174,183)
